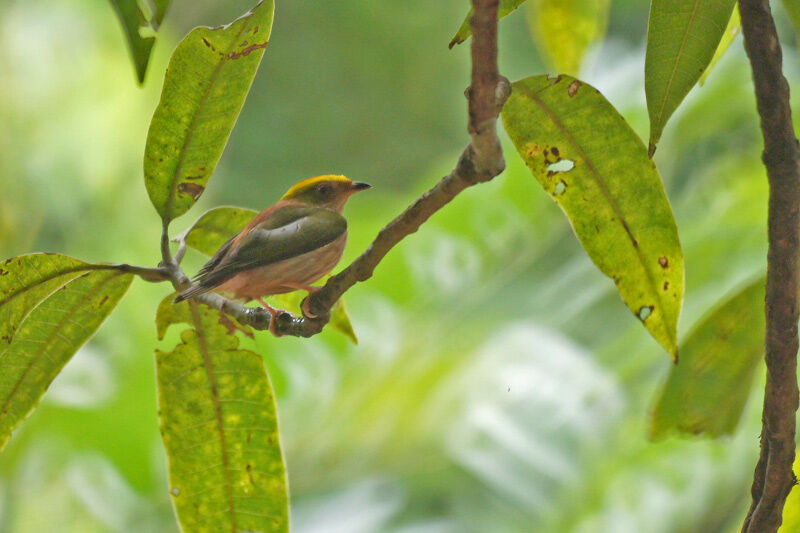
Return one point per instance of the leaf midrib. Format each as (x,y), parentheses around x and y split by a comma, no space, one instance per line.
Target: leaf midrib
(193,126)
(674,70)
(601,184)
(212,380)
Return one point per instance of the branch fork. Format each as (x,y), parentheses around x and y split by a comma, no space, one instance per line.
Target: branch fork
(481,161)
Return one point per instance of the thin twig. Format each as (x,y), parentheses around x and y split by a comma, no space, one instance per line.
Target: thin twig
(481,161)
(773,478)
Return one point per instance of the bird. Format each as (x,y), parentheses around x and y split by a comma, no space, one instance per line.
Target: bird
(286,247)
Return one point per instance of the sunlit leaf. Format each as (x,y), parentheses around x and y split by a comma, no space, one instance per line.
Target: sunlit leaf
(48,337)
(208,78)
(216,226)
(220,428)
(733,29)
(682,36)
(465,31)
(564,29)
(136,25)
(706,391)
(596,168)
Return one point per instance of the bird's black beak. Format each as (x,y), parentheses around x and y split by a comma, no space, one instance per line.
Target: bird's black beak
(361,186)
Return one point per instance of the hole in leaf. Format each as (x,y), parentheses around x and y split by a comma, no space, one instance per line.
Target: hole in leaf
(561,186)
(175,491)
(645,312)
(563,165)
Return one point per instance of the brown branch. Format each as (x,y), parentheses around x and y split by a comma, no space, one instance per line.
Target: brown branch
(481,161)
(773,479)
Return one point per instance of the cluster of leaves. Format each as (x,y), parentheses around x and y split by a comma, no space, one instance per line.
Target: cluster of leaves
(217,408)
(600,173)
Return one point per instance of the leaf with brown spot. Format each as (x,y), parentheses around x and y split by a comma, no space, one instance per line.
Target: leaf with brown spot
(207,81)
(612,195)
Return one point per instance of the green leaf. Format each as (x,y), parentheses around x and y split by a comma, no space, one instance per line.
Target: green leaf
(27,280)
(208,78)
(48,337)
(706,392)
(733,29)
(595,167)
(682,36)
(217,225)
(465,31)
(564,29)
(135,23)
(220,428)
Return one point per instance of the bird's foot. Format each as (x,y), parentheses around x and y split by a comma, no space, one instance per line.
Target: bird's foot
(273,314)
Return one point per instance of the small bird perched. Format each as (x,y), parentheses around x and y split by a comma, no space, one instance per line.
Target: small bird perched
(286,247)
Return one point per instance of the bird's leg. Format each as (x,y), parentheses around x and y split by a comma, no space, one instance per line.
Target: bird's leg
(273,313)
(310,289)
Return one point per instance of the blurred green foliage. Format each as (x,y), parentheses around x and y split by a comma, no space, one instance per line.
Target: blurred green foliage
(511,396)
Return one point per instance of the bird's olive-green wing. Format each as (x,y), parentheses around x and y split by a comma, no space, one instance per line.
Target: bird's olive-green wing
(290,232)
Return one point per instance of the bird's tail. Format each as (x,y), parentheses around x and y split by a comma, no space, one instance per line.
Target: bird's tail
(191,292)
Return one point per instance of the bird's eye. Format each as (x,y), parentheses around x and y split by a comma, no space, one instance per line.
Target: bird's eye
(325,190)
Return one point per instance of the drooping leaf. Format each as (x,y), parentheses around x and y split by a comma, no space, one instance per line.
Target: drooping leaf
(564,29)
(465,31)
(682,37)
(706,392)
(220,428)
(596,168)
(135,23)
(733,29)
(216,226)
(48,337)
(208,78)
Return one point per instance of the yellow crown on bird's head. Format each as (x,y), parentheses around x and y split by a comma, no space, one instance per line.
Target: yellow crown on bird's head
(303,186)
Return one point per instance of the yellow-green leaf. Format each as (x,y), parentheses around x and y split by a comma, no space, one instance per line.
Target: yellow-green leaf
(682,36)
(733,29)
(791,510)
(564,29)
(465,31)
(220,428)
(706,391)
(208,78)
(596,168)
(216,226)
(48,337)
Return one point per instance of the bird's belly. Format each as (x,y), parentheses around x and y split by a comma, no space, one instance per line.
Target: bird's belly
(285,275)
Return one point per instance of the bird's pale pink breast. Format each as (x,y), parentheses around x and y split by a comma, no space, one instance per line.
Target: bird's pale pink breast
(304,269)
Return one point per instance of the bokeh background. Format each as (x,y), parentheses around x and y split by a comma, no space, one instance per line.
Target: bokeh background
(499,383)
